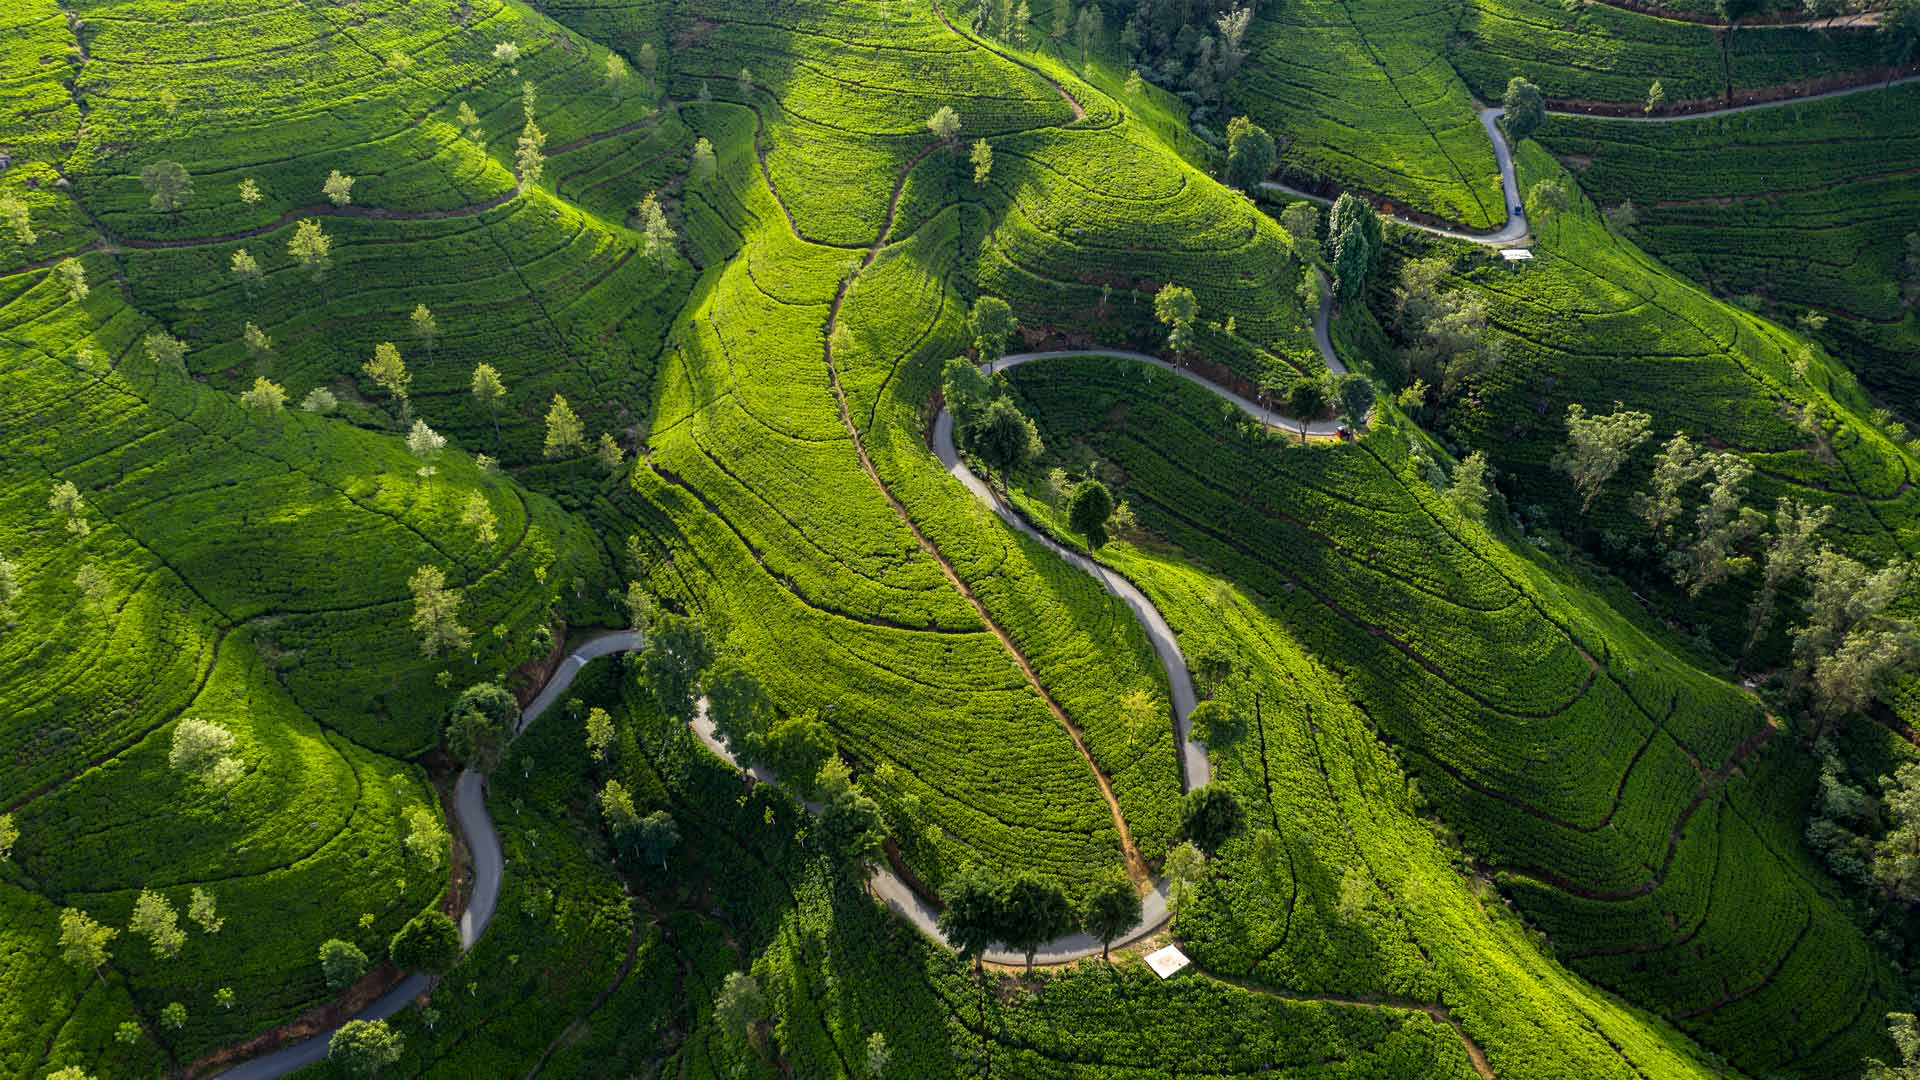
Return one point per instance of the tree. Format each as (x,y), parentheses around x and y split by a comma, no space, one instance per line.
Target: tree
(1251,153)
(1135,84)
(1176,307)
(1468,492)
(677,655)
(657,236)
(992,323)
(425,328)
(67,502)
(965,390)
(164,349)
(1896,859)
(204,911)
(429,942)
(476,513)
(341,963)
(488,390)
(425,444)
(246,268)
(652,838)
(565,433)
(740,711)
(75,275)
(982,159)
(1355,396)
(878,1056)
(224,997)
(1545,200)
(436,612)
(617,75)
(740,1004)
(250,192)
(970,913)
(338,188)
(167,184)
(173,1015)
(851,826)
(84,942)
(649,63)
(1720,524)
(18,217)
(154,919)
(1301,219)
(9,835)
(1088,510)
(1597,446)
(1185,866)
(1306,399)
(1791,548)
(364,1047)
(1525,108)
(1004,437)
(798,746)
(1656,98)
(1086,29)
(616,807)
(528,160)
(1900,25)
(1678,463)
(1904,1031)
(390,374)
(199,746)
(9,592)
(704,165)
(266,398)
(1850,645)
(609,453)
(1111,909)
(75,1072)
(479,724)
(1209,815)
(93,585)
(311,246)
(319,400)
(944,123)
(426,837)
(599,733)
(1354,232)
(1033,911)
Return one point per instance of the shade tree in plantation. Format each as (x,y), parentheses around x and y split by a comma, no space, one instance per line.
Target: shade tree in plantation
(703,164)
(1111,909)
(651,838)
(798,747)
(246,268)
(1354,394)
(429,942)
(265,397)
(1186,864)
(67,502)
(1088,509)
(992,324)
(676,656)
(488,390)
(204,911)
(656,234)
(9,836)
(9,593)
(1177,309)
(944,123)
(1004,437)
(1210,815)
(341,963)
(436,611)
(425,327)
(616,75)
(566,435)
(425,444)
(202,749)
(1033,911)
(389,372)
(250,192)
(740,1005)
(338,188)
(75,276)
(609,453)
(1301,220)
(168,185)
(529,161)
(362,1048)
(1526,108)
(164,349)
(970,913)
(1852,642)
(1546,200)
(1355,241)
(965,390)
(311,247)
(1251,153)
(476,513)
(740,711)
(1598,445)
(1791,546)
(599,733)
(156,920)
(1469,491)
(426,838)
(95,590)
(852,826)
(84,943)
(981,158)
(1442,331)
(479,725)
(18,218)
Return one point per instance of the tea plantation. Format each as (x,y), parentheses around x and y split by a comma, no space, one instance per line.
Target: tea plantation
(366,360)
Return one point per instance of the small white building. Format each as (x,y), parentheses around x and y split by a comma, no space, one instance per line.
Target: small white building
(1516,256)
(1168,961)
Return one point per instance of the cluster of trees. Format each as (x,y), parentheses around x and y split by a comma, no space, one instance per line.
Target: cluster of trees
(1194,47)
(1851,643)
(1442,333)
(86,944)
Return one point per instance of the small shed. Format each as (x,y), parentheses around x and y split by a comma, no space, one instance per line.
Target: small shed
(1515,256)
(1168,961)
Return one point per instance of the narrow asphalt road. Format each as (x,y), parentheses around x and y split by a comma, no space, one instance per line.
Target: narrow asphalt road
(470,807)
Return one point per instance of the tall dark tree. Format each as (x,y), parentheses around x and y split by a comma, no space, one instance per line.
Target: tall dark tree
(480,724)
(1111,909)
(1354,232)
(970,913)
(1209,815)
(1526,109)
(677,654)
(429,942)
(1004,437)
(1033,911)
(1251,153)
(1088,509)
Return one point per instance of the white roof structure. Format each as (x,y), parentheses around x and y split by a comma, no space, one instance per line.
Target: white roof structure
(1167,961)
(1516,254)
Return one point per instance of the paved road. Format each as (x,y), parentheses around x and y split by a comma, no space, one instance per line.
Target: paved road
(470,807)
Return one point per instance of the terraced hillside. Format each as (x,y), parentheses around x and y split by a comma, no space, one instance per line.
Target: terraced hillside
(359,355)
(1800,206)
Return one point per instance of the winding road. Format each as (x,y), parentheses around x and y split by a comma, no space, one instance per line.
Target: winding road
(489,864)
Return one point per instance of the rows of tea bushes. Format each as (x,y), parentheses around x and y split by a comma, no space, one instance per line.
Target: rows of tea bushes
(1527,789)
(1601,53)
(1801,206)
(1365,99)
